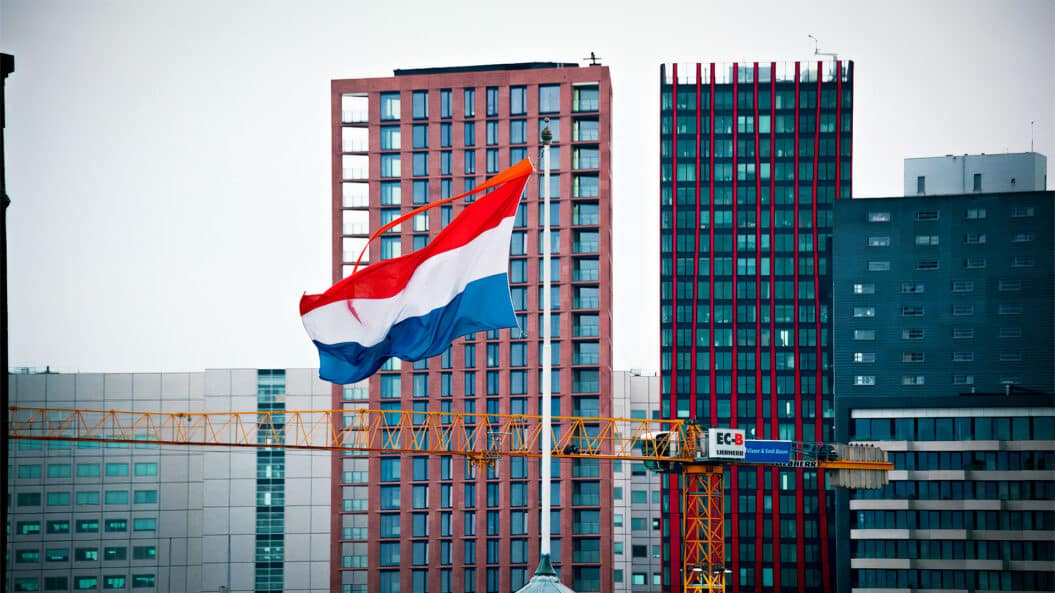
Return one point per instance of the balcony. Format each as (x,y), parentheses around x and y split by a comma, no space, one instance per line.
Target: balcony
(586,218)
(585,331)
(586,500)
(590,358)
(586,275)
(585,246)
(354,116)
(590,302)
(586,528)
(355,173)
(587,556)
(585,386)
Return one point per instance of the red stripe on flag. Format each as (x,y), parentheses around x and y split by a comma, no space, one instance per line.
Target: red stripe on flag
(386,278)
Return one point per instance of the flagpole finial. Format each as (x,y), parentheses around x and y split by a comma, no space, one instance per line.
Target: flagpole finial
(547,135)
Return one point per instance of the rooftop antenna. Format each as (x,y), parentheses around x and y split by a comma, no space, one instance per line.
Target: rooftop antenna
(594,60)
(1031,123)
(817,52)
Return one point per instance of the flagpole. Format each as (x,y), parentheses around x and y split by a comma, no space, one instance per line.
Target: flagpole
(547,358)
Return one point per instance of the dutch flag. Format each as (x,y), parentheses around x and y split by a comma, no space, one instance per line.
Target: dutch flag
(413,306)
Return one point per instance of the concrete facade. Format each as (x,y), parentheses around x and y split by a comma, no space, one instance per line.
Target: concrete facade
(976,173)
(165,518)
(637,566)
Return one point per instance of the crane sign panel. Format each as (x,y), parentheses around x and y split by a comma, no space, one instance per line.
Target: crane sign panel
(726,443)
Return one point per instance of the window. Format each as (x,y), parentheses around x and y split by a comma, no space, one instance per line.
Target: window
(962,333)
(921,184)
(86,554)
(927,215)
(87,525)
(85,583)
(146,497)
(928,240)
(963,286)
(864,380)
(864,311)
(492,101)
(878,217)
(1010,357)
(445,103)
(1022,212)
(584,98)
(517,100)
(87,470)
(117,525)
(927,264)
(148,524)
(962,310)
(389,106)
(144,552)
(58,499)
(864,334)
(912,334)
(977,186)
(549,98)
(974,263)
(963,379)
(421,104)
(142,580)
(878,266)
(116,469)
(974,238)
(1022,237)
(1005,309)
(390,165)
(975,213)
(61,526)
(864,288)
(469,133)
(1010,332)
(421,136)
(421,164)
(864,357)
(87,498)
(963,356)
(911,311)
(913,379)
(1022,261)
(913,357)
(470,102)
(913,287)
(879,241)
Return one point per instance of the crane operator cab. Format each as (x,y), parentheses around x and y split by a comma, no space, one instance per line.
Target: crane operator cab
(659,445)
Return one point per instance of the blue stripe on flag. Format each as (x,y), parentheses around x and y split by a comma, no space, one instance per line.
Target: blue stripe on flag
(483,305)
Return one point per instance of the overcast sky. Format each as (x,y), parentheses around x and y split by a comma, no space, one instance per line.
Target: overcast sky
(168,161)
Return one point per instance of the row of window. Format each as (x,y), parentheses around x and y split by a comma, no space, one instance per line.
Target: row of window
(935,240)
(958,310)
(955,550)
(582,159)
(958,333)
(745,124)
(110,554)
(981,520)
(980,580)
(83,583)
(974,460)
(919,287)
(86,470)
(391,137)
(584,99)
(784,99)
(961,490)
(968,214)
(63,498)
(62,526)
(970,263)
(1017,428)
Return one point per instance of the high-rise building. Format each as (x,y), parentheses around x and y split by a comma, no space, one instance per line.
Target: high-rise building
(436,523)
(943,347)
(637,566)
(976,173)
(143,517)
(753,155)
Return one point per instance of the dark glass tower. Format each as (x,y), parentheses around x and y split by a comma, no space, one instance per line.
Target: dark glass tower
(753,157)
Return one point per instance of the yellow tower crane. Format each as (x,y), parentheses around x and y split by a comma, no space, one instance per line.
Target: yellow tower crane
(698,453)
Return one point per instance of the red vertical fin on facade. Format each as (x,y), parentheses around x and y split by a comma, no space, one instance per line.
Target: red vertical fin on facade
(838,127)
(758,337)
(819,389)
(674,523)
(799,532)
(696,255)
(710,299)
(773,433)
(734,487)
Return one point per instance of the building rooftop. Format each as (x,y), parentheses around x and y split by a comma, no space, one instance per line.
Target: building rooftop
(484,68)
